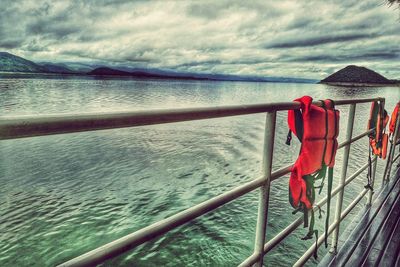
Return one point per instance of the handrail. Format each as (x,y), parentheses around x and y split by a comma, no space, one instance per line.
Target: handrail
(393,144)
(293,226)
(29,126)
(143,235)
(125,243)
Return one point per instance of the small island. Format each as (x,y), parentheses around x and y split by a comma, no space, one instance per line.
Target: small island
(357,76)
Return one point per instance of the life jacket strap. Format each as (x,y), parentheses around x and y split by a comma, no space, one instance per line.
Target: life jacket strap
(289,138)
(311,233)
(369,174)
(323,105)
(306,217)
(297,210)
(320,211)
(315,254)
(299,124)
(321,174)
(304,209)
(295,123)
(336,126)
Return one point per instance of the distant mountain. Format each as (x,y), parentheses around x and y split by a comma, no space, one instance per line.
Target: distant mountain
(163,74)
(56,68)
(109,71)
(12,63)
(81,67)
(355,75)
(105,71)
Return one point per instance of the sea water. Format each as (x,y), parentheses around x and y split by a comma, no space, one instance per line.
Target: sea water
(64,195)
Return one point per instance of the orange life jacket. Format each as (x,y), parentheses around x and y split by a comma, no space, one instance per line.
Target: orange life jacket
(392,129)
(317,129)
(393,118)
(378,139)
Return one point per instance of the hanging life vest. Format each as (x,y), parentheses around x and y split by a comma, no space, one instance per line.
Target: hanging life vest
(317,129)
(393,118)
(378,139)
(392,128)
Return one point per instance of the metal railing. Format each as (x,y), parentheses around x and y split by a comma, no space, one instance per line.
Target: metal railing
(29,126)
(394,141)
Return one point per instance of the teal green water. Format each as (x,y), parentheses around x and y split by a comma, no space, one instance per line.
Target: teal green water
(64,195)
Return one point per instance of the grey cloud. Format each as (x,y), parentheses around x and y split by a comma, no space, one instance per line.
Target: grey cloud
(10,43)
(42,10)
(35,46)
(216,9)
(222,62)
(346,58)
(321,40)
(54,29)
(300,22)
(203,11)
(199,63)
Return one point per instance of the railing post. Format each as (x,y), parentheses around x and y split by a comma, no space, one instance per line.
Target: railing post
(339,201)
(386,175)
(269,138)
(370,194)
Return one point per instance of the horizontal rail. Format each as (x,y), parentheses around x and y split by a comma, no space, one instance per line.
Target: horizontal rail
(29,126)
(358,137)
(396,158)
(293,226)
(285,170)
(134,239)
(130,241)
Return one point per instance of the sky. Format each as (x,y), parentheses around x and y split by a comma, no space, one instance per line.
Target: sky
(305,39)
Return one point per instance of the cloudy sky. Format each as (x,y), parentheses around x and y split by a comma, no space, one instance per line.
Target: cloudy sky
(309,38)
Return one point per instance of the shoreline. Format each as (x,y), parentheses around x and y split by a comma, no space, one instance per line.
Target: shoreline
(158,78)
(348,84)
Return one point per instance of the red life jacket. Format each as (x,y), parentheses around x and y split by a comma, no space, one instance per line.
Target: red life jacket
(317,129)
(378,139)
(393,118)
(392,129)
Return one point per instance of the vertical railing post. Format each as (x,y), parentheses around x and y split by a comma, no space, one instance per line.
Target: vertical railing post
(339,201)
(371,192)
(386,175)
(269,138)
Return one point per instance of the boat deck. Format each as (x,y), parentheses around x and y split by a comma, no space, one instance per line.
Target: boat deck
(373,237)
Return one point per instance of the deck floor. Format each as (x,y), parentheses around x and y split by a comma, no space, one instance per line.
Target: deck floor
(373,237)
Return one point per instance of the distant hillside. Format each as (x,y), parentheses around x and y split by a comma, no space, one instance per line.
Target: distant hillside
(12,63)
(105,71)
(355,75)
(56,68)
(163,74)
(108,71)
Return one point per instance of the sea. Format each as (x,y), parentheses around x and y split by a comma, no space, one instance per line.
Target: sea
(66,194)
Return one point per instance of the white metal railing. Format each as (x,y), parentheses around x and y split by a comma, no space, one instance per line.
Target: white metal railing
(29,126)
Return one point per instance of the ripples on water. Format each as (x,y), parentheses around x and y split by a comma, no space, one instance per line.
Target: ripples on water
(66,194)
